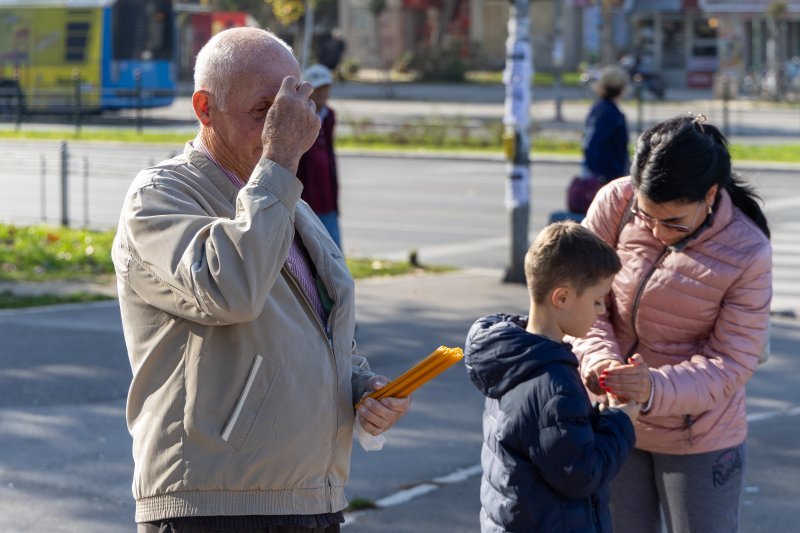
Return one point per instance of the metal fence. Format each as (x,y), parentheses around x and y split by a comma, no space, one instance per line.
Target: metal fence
(72,184)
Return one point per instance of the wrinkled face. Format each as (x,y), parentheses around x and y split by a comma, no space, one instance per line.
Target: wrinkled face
(237,129)
(582,310)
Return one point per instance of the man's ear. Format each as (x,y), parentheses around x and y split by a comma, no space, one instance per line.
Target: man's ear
(560,296)
(201,102)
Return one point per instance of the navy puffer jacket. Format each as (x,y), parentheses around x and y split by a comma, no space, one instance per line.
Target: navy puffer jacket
(548,454)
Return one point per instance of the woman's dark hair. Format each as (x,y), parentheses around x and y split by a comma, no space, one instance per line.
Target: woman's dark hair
(680,159)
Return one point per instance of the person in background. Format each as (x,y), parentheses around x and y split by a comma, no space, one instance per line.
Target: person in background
(687,323)
(238,315)
(605,137)
(548,454)
(317,169)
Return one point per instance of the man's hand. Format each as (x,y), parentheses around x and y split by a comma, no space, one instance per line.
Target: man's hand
(376,416)
(292,124)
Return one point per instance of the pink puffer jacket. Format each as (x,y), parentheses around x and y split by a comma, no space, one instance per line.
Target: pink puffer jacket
(698,314)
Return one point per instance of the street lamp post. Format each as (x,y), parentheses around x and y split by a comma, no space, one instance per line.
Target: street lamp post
(516,138)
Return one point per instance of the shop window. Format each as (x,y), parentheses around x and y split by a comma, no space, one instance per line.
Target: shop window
(645,47)
(703,55)
(673,39)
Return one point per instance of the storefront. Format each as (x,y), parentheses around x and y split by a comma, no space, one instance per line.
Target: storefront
(750,41)
(676,39)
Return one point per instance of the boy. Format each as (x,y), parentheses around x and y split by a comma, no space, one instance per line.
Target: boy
(317,168)
(547,454)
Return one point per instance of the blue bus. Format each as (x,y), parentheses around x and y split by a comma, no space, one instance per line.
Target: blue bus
(94,54)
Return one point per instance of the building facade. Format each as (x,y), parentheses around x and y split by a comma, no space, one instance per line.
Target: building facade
(407,25)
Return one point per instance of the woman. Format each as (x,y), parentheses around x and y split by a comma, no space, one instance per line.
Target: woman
(605,141)
(687,323)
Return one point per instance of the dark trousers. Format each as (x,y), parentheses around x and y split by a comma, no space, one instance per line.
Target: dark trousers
(175,526)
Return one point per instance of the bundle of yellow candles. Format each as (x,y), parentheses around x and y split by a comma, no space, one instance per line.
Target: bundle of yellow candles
(437,362)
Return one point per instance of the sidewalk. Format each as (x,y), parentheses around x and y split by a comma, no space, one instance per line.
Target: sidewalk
(66,462)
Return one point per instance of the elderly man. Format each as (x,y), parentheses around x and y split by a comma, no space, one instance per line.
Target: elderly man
(238,313)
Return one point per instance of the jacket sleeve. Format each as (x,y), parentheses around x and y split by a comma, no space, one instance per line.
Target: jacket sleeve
(204,268)
(575,455)
(604,218)
(729,358)
(361,374)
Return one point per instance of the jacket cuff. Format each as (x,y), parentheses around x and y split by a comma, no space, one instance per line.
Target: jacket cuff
(646,407)
(277,180)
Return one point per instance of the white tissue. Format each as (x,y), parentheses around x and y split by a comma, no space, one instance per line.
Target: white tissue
(367,441)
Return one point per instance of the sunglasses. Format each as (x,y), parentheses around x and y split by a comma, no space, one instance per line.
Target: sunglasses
(651,222)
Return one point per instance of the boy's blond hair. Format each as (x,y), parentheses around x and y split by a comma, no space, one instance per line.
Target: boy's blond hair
(566,253)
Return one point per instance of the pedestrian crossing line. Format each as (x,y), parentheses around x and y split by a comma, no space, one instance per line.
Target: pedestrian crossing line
(769,415)
(463,474)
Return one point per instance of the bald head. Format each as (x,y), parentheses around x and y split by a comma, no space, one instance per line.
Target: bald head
(238,53)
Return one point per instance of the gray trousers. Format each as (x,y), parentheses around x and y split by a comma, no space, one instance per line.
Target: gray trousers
(697,493)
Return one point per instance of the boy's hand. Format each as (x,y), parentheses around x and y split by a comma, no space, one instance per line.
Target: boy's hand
(377,416)
(591,376)
(630,408)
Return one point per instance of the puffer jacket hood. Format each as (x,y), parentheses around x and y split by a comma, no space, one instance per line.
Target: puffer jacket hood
(499,356)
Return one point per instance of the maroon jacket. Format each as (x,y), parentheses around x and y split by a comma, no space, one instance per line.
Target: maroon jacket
(317,170)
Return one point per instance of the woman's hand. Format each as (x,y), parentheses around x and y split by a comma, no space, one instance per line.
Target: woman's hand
(628,382)
(591,376)
(376,416)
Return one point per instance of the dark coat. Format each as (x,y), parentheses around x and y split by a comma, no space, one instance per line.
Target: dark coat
(605,143)
(548,455)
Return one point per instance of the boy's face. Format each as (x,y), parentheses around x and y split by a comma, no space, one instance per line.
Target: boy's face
(581,311)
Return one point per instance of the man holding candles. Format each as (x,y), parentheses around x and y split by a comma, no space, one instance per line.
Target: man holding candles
(238,313)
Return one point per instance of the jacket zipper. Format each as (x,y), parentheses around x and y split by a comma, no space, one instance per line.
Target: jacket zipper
(327,330)
(329,325)
(688,422)
(638,298)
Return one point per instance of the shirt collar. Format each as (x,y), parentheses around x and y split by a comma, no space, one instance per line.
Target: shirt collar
(200,146)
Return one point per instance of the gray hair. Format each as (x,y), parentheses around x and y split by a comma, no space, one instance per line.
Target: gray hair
(227,54)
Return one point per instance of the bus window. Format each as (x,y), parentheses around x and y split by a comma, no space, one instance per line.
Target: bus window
(142,29)
(77,37)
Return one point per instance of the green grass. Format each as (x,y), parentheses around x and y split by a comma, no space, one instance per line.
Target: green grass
(113,135)
(39,253)
(778,153)
(540,79)
(368,268)
(438,136)
(9,300)
(360,504)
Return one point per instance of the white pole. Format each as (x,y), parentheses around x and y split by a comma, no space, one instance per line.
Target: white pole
(308,32)
(517,78)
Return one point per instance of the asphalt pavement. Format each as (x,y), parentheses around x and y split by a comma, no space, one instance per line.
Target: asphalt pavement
(66,464)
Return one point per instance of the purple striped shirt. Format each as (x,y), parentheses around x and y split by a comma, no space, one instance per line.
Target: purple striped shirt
(200,146)
(298,262)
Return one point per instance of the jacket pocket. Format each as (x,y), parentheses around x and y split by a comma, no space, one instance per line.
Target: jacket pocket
(240,421)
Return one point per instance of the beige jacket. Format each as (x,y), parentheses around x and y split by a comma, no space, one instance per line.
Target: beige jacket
(697,312)
(240,402)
